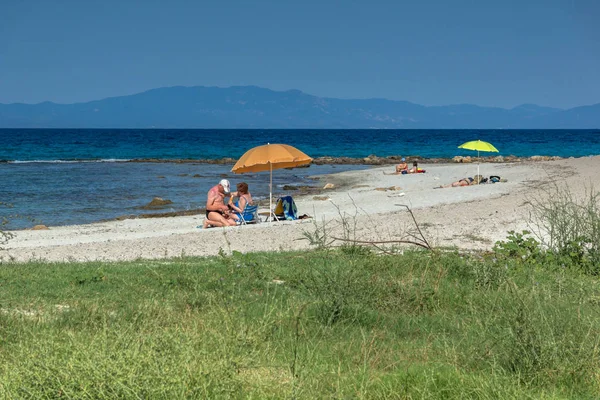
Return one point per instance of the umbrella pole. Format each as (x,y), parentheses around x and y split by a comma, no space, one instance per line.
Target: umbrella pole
(271,192)
(478,162)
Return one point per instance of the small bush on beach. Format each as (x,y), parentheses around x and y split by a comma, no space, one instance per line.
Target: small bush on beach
(569,226)
(5,236)
(519,245)
(565,233)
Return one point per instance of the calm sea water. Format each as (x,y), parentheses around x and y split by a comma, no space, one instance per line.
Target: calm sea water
(60,177)
(95,144)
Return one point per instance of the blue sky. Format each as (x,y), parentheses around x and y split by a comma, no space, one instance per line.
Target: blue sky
(493,53)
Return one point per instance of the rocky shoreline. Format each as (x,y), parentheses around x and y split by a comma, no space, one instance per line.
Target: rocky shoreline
(329,160)
(316,190)
(158,205)
(370,160)
(468,218)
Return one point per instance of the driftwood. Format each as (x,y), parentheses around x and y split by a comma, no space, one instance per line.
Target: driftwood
(420,240)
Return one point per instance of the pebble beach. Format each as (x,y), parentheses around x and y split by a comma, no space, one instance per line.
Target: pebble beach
(373,200)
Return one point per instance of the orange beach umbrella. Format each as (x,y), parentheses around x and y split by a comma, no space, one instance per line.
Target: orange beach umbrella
(269,157)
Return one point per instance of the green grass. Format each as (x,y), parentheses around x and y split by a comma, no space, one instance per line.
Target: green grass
(343,324)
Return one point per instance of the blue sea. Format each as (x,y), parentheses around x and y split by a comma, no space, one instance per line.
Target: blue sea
(73,176)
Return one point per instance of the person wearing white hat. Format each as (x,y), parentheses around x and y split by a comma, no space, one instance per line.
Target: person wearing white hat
(403,166)
(217,212)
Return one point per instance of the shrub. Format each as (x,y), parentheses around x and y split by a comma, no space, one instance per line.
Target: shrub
(4,220)
(519,245)
(569,226)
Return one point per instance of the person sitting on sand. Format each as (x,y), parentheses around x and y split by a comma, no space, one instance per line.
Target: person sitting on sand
(217,213)
(415,169)
(403,166)
(244,199)
(464,182)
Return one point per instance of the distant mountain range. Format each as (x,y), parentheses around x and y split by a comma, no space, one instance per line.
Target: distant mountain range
(255,107)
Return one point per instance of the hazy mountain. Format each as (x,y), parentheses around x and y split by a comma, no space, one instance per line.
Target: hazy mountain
(254,107)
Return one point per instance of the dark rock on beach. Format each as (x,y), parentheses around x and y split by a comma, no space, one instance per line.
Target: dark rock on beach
(156,202)
(544,158)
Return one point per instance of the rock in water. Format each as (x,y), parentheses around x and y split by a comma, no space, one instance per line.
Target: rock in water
(157,202)
(40,228)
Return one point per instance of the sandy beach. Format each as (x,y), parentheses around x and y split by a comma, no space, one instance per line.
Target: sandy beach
(370,201)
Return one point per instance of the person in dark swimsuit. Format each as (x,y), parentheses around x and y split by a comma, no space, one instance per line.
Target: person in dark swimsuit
(464,182)
(217,212)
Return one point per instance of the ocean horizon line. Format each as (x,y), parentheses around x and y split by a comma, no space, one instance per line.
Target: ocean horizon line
(150,128)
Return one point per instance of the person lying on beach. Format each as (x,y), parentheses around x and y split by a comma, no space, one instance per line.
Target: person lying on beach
(464,182)
(244,199)
(217,213)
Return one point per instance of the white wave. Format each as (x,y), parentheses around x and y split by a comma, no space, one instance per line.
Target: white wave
(104,160)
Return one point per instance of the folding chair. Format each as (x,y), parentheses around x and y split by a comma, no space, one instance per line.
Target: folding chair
(249,215)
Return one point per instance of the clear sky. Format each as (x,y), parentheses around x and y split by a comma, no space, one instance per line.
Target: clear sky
(432,52)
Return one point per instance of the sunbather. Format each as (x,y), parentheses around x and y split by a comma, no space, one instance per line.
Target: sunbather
(415,169)
(402,167)
(464,182)
(217,213)
(244,199)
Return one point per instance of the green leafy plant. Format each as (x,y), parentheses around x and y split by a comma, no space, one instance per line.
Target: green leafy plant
(519,245)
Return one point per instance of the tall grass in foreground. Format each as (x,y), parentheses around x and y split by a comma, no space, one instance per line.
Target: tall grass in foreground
(322,324)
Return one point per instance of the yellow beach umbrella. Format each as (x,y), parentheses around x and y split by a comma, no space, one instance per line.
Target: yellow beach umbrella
(269,157)
(478,145)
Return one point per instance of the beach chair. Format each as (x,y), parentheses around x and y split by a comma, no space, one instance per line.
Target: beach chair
(250,215)
(285,209)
